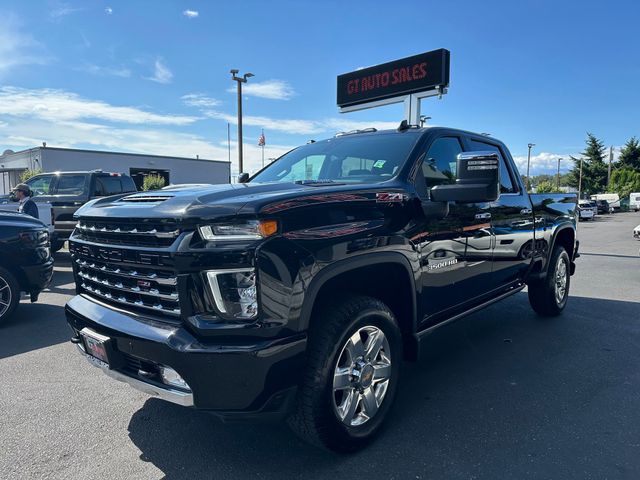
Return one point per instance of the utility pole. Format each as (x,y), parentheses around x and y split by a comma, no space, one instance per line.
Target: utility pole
(580,181)
(229,147)
(558,177)
(240,81)
(609,172)
(528,165)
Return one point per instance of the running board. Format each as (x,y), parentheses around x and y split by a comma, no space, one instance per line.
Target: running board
(419,336)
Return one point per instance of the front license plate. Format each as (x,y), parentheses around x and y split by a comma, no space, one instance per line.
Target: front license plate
(95,344)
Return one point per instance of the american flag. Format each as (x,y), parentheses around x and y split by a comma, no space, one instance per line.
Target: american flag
(261,140)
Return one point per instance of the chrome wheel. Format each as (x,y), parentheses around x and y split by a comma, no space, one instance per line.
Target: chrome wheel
(5,296)
(561,279)
(361,377)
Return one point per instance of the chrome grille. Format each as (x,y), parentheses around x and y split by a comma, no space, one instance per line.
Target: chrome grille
(128,278)
(129,232)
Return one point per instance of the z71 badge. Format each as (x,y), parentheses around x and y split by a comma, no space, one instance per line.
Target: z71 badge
(389,197)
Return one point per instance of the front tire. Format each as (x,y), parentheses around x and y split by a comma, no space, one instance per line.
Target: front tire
(549,296)
(351,376)
(9,294)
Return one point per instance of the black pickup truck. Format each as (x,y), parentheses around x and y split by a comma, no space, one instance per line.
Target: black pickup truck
(26,264)
(299,292)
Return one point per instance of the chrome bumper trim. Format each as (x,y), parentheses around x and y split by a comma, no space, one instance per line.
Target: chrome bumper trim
(174,396)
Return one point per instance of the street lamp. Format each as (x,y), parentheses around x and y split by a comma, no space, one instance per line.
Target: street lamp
(240,81)
(528,165)
(558,177)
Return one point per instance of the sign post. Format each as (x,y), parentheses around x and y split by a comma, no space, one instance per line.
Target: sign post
(406,80)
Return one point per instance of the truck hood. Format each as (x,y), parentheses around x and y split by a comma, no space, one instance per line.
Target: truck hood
(213,201)
(15,219)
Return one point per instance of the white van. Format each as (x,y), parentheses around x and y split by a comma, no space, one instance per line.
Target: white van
(634,201)
(44,212)
(613,199)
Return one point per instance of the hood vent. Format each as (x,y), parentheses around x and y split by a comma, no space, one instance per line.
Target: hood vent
(146,198)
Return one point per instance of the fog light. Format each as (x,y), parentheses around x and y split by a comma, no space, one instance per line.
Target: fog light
(234,292)
(171,377)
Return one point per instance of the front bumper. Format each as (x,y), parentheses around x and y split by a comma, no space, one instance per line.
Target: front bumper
(38,276)
(257,377)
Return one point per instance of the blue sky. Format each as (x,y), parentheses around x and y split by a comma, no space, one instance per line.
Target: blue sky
(154,76)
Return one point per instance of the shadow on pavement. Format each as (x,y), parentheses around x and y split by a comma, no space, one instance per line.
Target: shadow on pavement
(500,394)
(41,324)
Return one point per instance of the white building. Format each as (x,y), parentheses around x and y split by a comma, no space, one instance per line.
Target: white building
(49,159)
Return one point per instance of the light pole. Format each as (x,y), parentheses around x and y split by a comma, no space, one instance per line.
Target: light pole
(580,181)
(558,177)
(423,120)
(529,164)
(240,81)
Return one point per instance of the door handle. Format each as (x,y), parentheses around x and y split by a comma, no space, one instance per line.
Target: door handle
(483,216)
(526,211)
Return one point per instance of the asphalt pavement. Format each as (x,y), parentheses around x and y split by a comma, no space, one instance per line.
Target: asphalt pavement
(501,394)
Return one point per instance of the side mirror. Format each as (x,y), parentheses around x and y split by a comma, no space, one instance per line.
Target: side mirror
(243,178)
(478,180)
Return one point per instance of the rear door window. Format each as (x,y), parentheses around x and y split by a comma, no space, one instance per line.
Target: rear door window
(106,186)
(71,184)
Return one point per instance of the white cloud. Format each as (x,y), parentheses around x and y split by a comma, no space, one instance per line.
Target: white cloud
(190,13)
(161,73)
(62,9)
(199,100)
(108,10)
(18,48)
(271,89)
(58,105)
(300,126)
(544,162)
(106,71)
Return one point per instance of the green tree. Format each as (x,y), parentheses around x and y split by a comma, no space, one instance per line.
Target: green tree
(630,154)
(546,186)
(28,173)
(153,182)
(624,181)
(594,168)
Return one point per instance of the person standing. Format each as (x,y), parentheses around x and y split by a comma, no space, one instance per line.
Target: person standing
(23,194)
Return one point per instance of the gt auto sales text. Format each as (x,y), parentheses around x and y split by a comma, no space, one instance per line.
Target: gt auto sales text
(393,77)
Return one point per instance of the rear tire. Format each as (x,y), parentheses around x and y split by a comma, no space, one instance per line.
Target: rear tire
(9,294)
(57,246)
(549,296)
(348,388)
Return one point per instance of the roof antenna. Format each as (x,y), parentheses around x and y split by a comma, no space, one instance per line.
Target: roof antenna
(404,125)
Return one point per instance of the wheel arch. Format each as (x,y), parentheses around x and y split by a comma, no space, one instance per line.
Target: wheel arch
(387,276)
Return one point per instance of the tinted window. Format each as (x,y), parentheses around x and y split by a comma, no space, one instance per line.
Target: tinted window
(40,185)
(128,185)
(440,162)
(108,186)
(357,158)
(71,184)
(506,185)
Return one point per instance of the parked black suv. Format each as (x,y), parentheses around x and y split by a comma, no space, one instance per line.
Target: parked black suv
(68,191)
(602,207)
(299,292)
(26,264)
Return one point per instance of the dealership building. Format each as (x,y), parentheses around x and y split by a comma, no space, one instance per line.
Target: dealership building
(174,170)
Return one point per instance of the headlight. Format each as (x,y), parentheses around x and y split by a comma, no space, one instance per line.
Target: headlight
(234,292)
(249,230)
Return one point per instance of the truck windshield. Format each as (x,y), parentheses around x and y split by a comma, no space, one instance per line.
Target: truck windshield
(353,158)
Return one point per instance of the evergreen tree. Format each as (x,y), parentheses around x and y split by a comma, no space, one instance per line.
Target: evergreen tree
(594,167)
(624,181)
(630,155)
